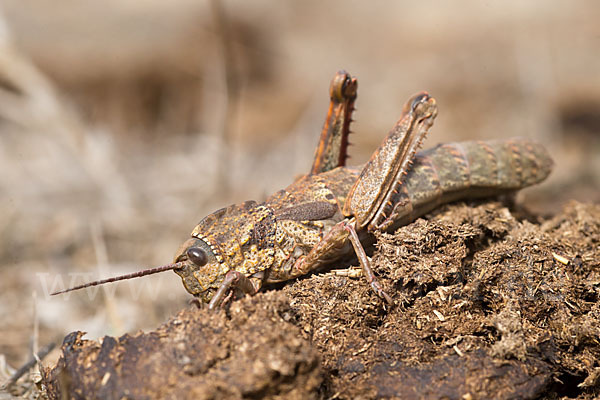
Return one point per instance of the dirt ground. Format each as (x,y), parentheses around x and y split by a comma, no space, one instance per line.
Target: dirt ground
(489,303)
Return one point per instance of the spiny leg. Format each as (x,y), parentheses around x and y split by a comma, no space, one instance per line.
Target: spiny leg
(371,196)
(333,143)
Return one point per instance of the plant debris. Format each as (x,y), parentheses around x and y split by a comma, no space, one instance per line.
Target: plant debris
(484,309)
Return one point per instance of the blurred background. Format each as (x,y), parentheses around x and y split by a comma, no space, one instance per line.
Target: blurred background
(123,123)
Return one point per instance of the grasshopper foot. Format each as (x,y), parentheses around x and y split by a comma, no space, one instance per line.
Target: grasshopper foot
(380,292)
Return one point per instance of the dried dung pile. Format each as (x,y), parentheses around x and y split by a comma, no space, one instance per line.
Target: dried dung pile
(490,303)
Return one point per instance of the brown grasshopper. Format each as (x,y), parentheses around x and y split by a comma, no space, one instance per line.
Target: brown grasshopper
(326,215)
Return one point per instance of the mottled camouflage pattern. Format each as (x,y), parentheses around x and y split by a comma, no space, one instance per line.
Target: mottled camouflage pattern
(330,213)
(251,238)
(454,171)
(240,237)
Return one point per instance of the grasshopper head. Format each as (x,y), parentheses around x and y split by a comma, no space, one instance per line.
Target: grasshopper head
(239,237)
(201,273)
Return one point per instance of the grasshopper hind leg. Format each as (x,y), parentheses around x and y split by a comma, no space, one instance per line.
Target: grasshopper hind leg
(370,200)
(365,263)
(332,150)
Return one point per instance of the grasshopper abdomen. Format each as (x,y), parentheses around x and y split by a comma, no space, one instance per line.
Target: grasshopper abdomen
(454,171)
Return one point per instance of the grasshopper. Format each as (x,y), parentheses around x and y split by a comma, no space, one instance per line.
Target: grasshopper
(331,212)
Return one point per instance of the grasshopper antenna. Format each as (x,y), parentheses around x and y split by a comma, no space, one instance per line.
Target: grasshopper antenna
(138,274)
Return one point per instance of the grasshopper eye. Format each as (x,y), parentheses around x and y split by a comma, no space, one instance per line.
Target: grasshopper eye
(197,255)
